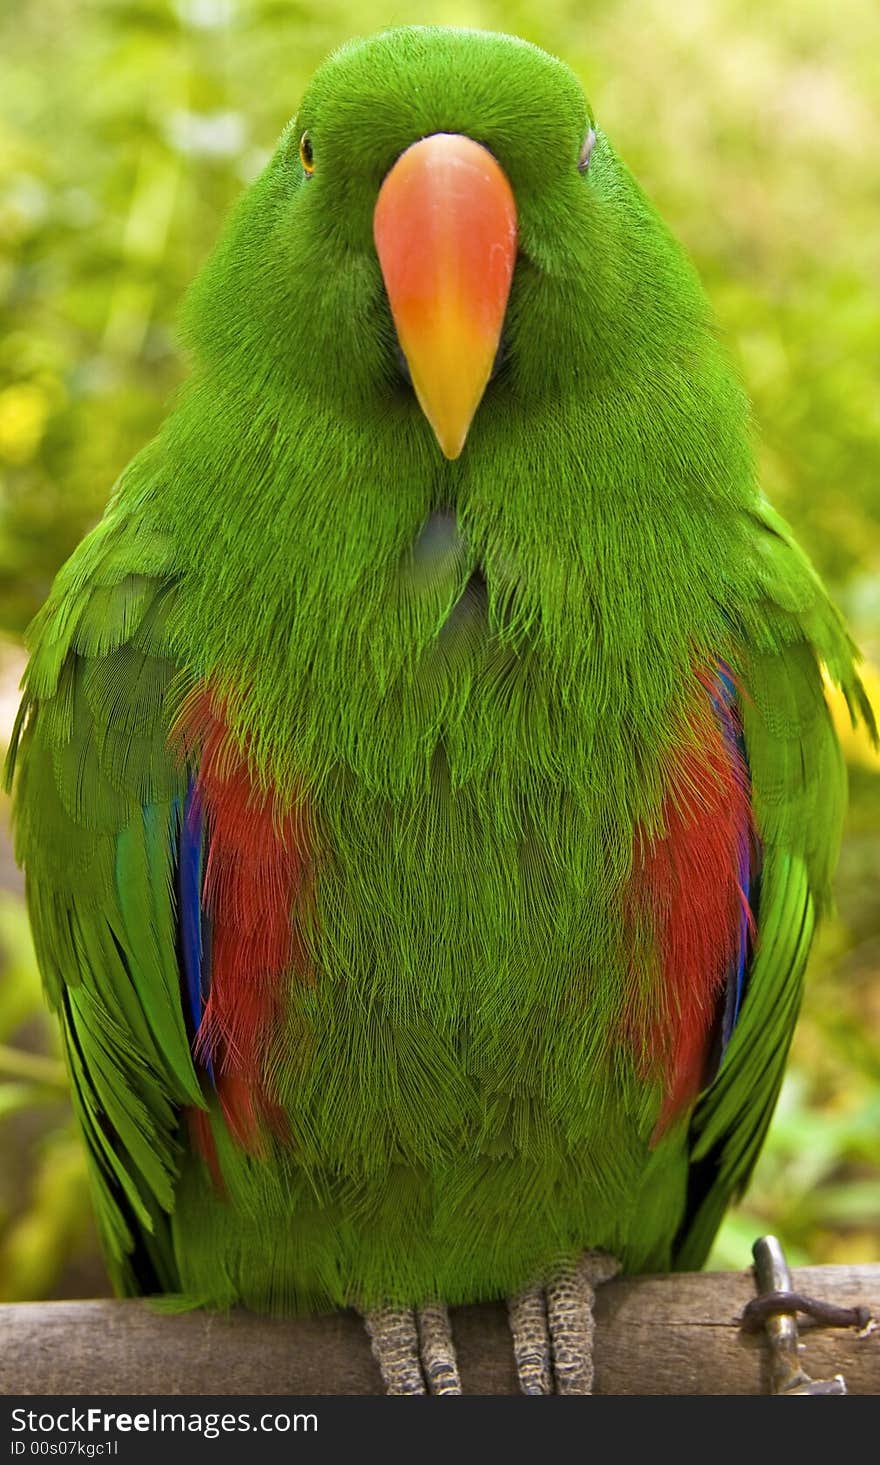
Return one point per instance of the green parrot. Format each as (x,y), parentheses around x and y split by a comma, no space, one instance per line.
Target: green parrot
(424,780)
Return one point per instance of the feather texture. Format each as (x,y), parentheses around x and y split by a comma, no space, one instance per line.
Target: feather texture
(254,891)
(690,887)
(380,789)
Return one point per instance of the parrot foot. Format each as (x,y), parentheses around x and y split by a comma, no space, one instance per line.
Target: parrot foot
(414,1349)
(553,1327)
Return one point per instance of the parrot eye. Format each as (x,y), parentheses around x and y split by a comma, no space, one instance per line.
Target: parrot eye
(306,155)
(586,151)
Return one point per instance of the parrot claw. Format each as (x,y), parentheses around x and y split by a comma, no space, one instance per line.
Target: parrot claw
(553,1327)
(414,1349)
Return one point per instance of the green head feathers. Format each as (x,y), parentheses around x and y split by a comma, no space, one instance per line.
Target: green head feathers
(600,287)
(300,470)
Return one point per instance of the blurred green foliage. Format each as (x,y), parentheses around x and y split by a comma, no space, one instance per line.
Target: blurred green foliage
(128,127)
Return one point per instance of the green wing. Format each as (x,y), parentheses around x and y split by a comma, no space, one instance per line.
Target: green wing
(799,795)
(96,806)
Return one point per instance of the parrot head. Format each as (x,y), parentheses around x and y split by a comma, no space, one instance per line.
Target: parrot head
(442,221)
(458,413)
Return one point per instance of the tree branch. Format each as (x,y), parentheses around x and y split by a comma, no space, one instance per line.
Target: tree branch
(655,1335)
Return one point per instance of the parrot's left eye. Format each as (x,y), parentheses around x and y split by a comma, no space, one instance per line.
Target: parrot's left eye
(586,151)
(306,155)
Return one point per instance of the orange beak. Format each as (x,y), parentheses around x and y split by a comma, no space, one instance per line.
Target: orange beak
(445,233)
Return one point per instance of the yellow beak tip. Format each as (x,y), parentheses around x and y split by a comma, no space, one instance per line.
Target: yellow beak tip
(451,449)
(449,428)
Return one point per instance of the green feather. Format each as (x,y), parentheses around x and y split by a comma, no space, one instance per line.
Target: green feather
(460,1107)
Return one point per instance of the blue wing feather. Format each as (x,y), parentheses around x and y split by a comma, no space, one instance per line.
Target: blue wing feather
(194,949)
(727,712)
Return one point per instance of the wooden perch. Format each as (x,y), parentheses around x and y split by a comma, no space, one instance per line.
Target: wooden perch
(655,1335)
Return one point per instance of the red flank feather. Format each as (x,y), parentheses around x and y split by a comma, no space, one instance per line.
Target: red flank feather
(256,878)
(686,883)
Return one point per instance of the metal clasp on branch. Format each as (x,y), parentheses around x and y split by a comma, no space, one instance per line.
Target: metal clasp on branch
(775,1310)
